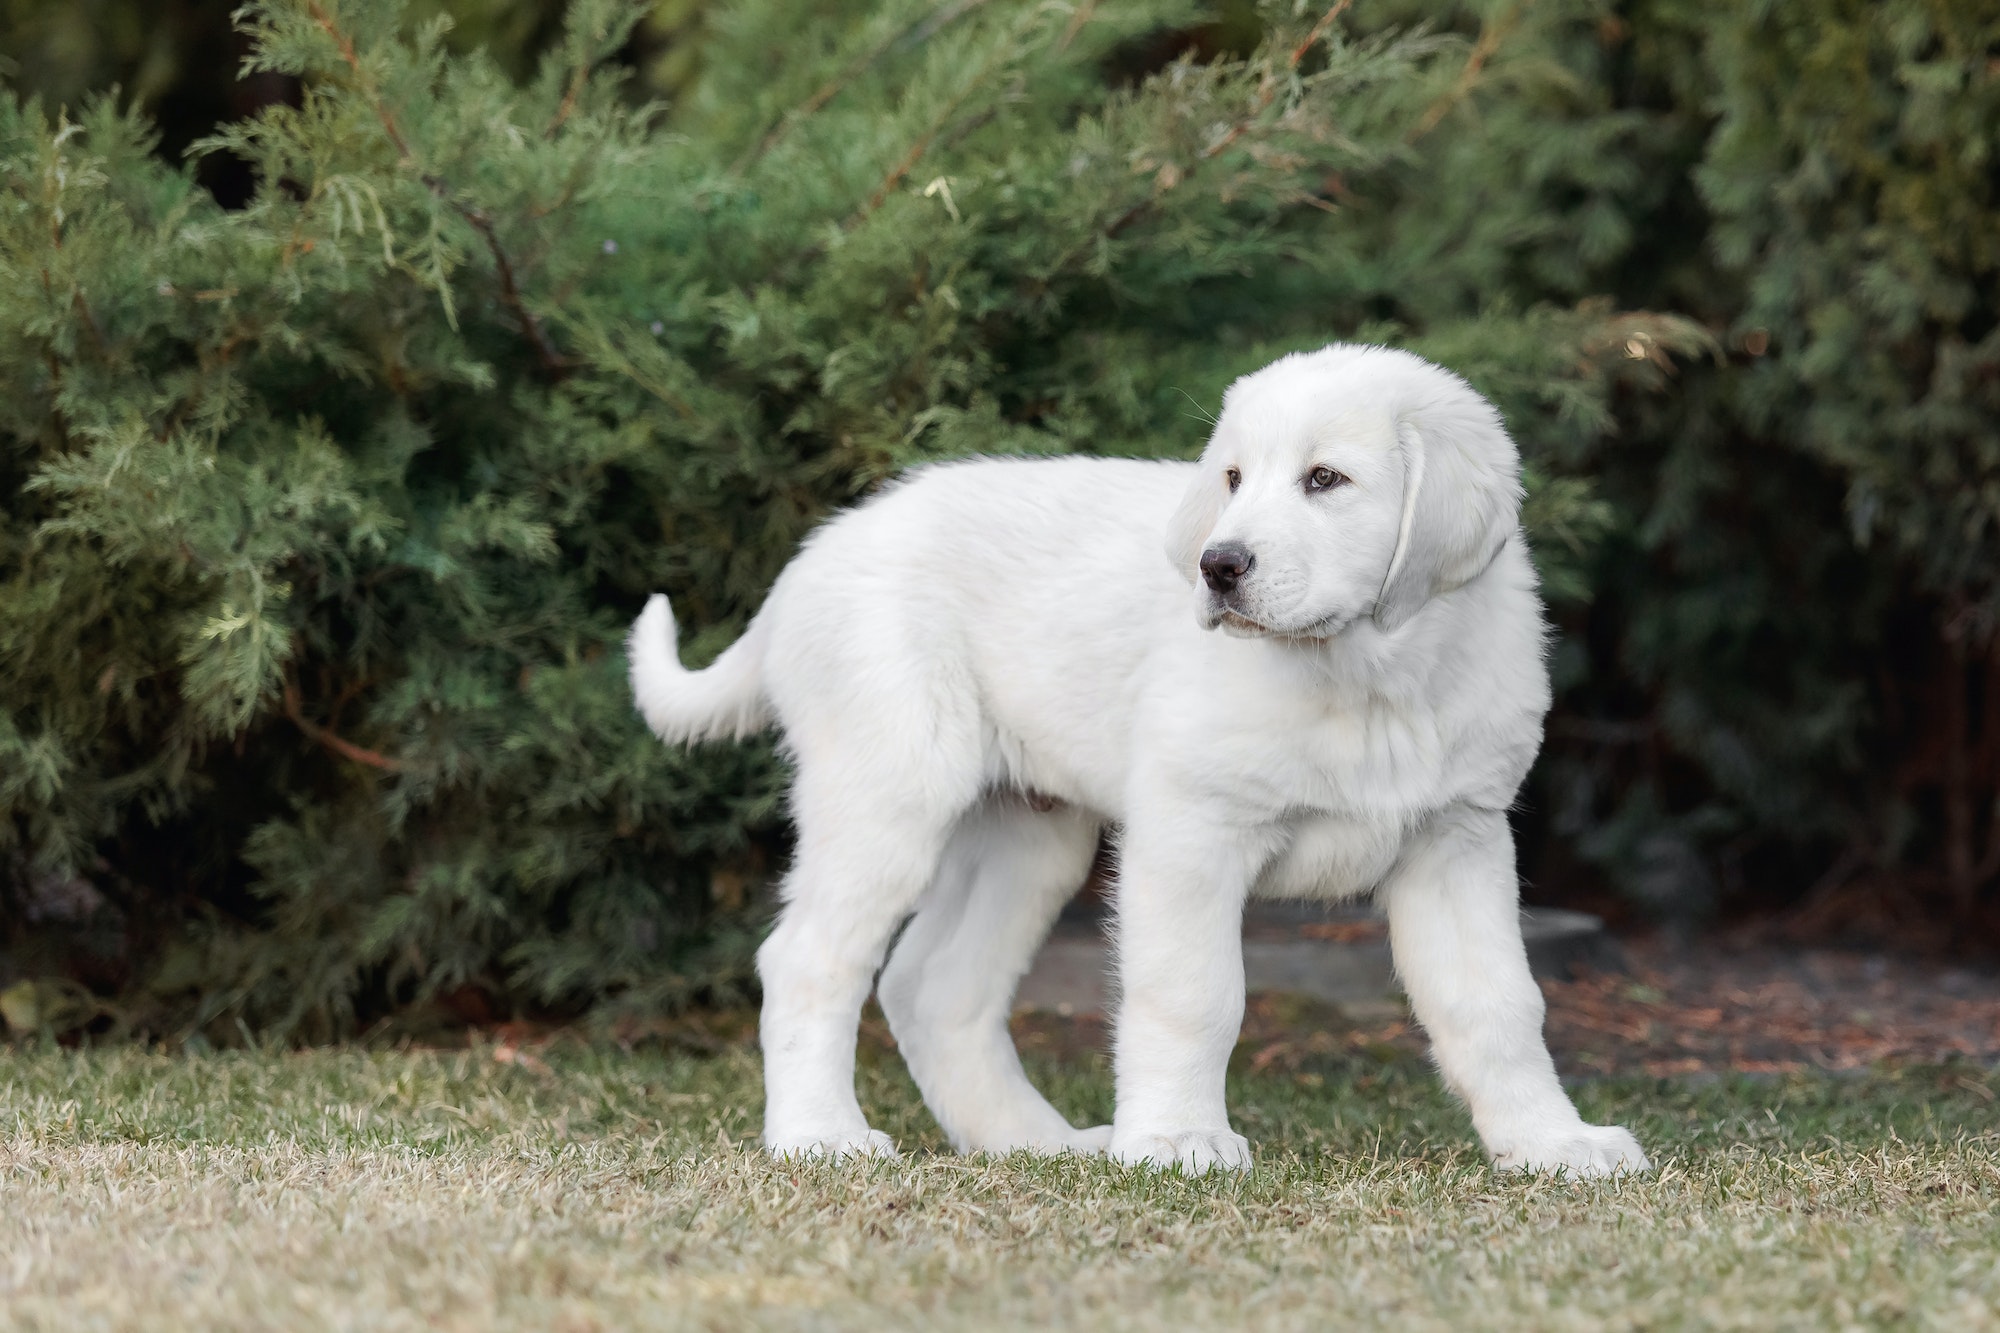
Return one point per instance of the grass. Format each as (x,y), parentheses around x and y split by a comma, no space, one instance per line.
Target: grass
(379,1189)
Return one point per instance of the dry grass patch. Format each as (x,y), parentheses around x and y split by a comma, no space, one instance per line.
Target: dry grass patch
(386,1190)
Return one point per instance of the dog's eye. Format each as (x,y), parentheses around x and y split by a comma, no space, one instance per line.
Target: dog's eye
(1235,479)
(1324,479)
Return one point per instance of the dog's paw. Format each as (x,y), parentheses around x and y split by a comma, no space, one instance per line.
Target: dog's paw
(1586,1150)
(860,1143)
(1196,1151)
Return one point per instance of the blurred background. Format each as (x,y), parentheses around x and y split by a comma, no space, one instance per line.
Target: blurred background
(352,408)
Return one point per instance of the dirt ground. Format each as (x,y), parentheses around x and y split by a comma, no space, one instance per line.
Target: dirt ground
(1681,1008)
(1692,1008)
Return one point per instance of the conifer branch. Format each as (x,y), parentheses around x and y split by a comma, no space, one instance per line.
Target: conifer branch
(1077,19)
(78,305)
(917,33)
(939,124)
(82,308)
(578,77)
(56,414)
(346,749)
(916,152)
(551,360)
(1318,31)
(1490,37)
(1267,92)
(54,362)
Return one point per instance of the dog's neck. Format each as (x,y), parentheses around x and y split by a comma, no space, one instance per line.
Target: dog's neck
(1357,654)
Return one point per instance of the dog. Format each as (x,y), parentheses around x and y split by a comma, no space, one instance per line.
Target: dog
(1331,685)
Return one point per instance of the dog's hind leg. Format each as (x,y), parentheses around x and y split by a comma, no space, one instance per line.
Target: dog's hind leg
(861,866)
(950,983)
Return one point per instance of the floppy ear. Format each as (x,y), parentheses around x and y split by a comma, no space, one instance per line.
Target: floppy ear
(1461,502)
(1188,529)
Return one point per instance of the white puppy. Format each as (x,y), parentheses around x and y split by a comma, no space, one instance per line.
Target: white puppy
(983,666)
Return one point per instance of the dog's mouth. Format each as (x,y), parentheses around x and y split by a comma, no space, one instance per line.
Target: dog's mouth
(1243,627)
(1241,624)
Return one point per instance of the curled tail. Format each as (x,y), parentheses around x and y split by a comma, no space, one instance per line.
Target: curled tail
(724,700)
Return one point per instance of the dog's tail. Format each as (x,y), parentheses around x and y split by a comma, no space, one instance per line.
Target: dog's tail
(724,700)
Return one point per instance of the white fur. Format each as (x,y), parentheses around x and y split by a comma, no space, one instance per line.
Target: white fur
(992,629)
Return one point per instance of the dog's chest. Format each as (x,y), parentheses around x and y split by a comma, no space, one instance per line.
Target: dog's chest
(1359,781)
(1371,763)
(1331,856)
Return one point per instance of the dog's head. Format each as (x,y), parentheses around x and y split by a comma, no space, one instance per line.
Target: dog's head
(1343,483)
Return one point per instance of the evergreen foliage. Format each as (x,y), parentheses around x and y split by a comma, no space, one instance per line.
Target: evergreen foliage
(1792,675)
(323,516)
(1852,179)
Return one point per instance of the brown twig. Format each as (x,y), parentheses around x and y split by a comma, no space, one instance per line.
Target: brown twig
(1490,37)
(552,361)
(510,291)
(346,749)
(1318,31)
(577,79)
(353,59)
(908,161)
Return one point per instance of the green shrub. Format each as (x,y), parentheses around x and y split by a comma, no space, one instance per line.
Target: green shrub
(1793,685)
(324,517)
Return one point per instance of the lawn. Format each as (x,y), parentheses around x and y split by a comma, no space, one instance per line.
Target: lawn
(585,1187)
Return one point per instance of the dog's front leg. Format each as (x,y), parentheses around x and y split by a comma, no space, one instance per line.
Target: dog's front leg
(1455,928)
(1180,967)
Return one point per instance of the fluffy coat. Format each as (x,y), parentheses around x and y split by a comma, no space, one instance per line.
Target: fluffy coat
(1332,685)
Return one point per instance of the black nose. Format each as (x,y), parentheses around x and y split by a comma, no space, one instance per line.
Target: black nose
(1222,566)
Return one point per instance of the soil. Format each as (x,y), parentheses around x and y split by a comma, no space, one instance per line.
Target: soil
(1681,1008)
